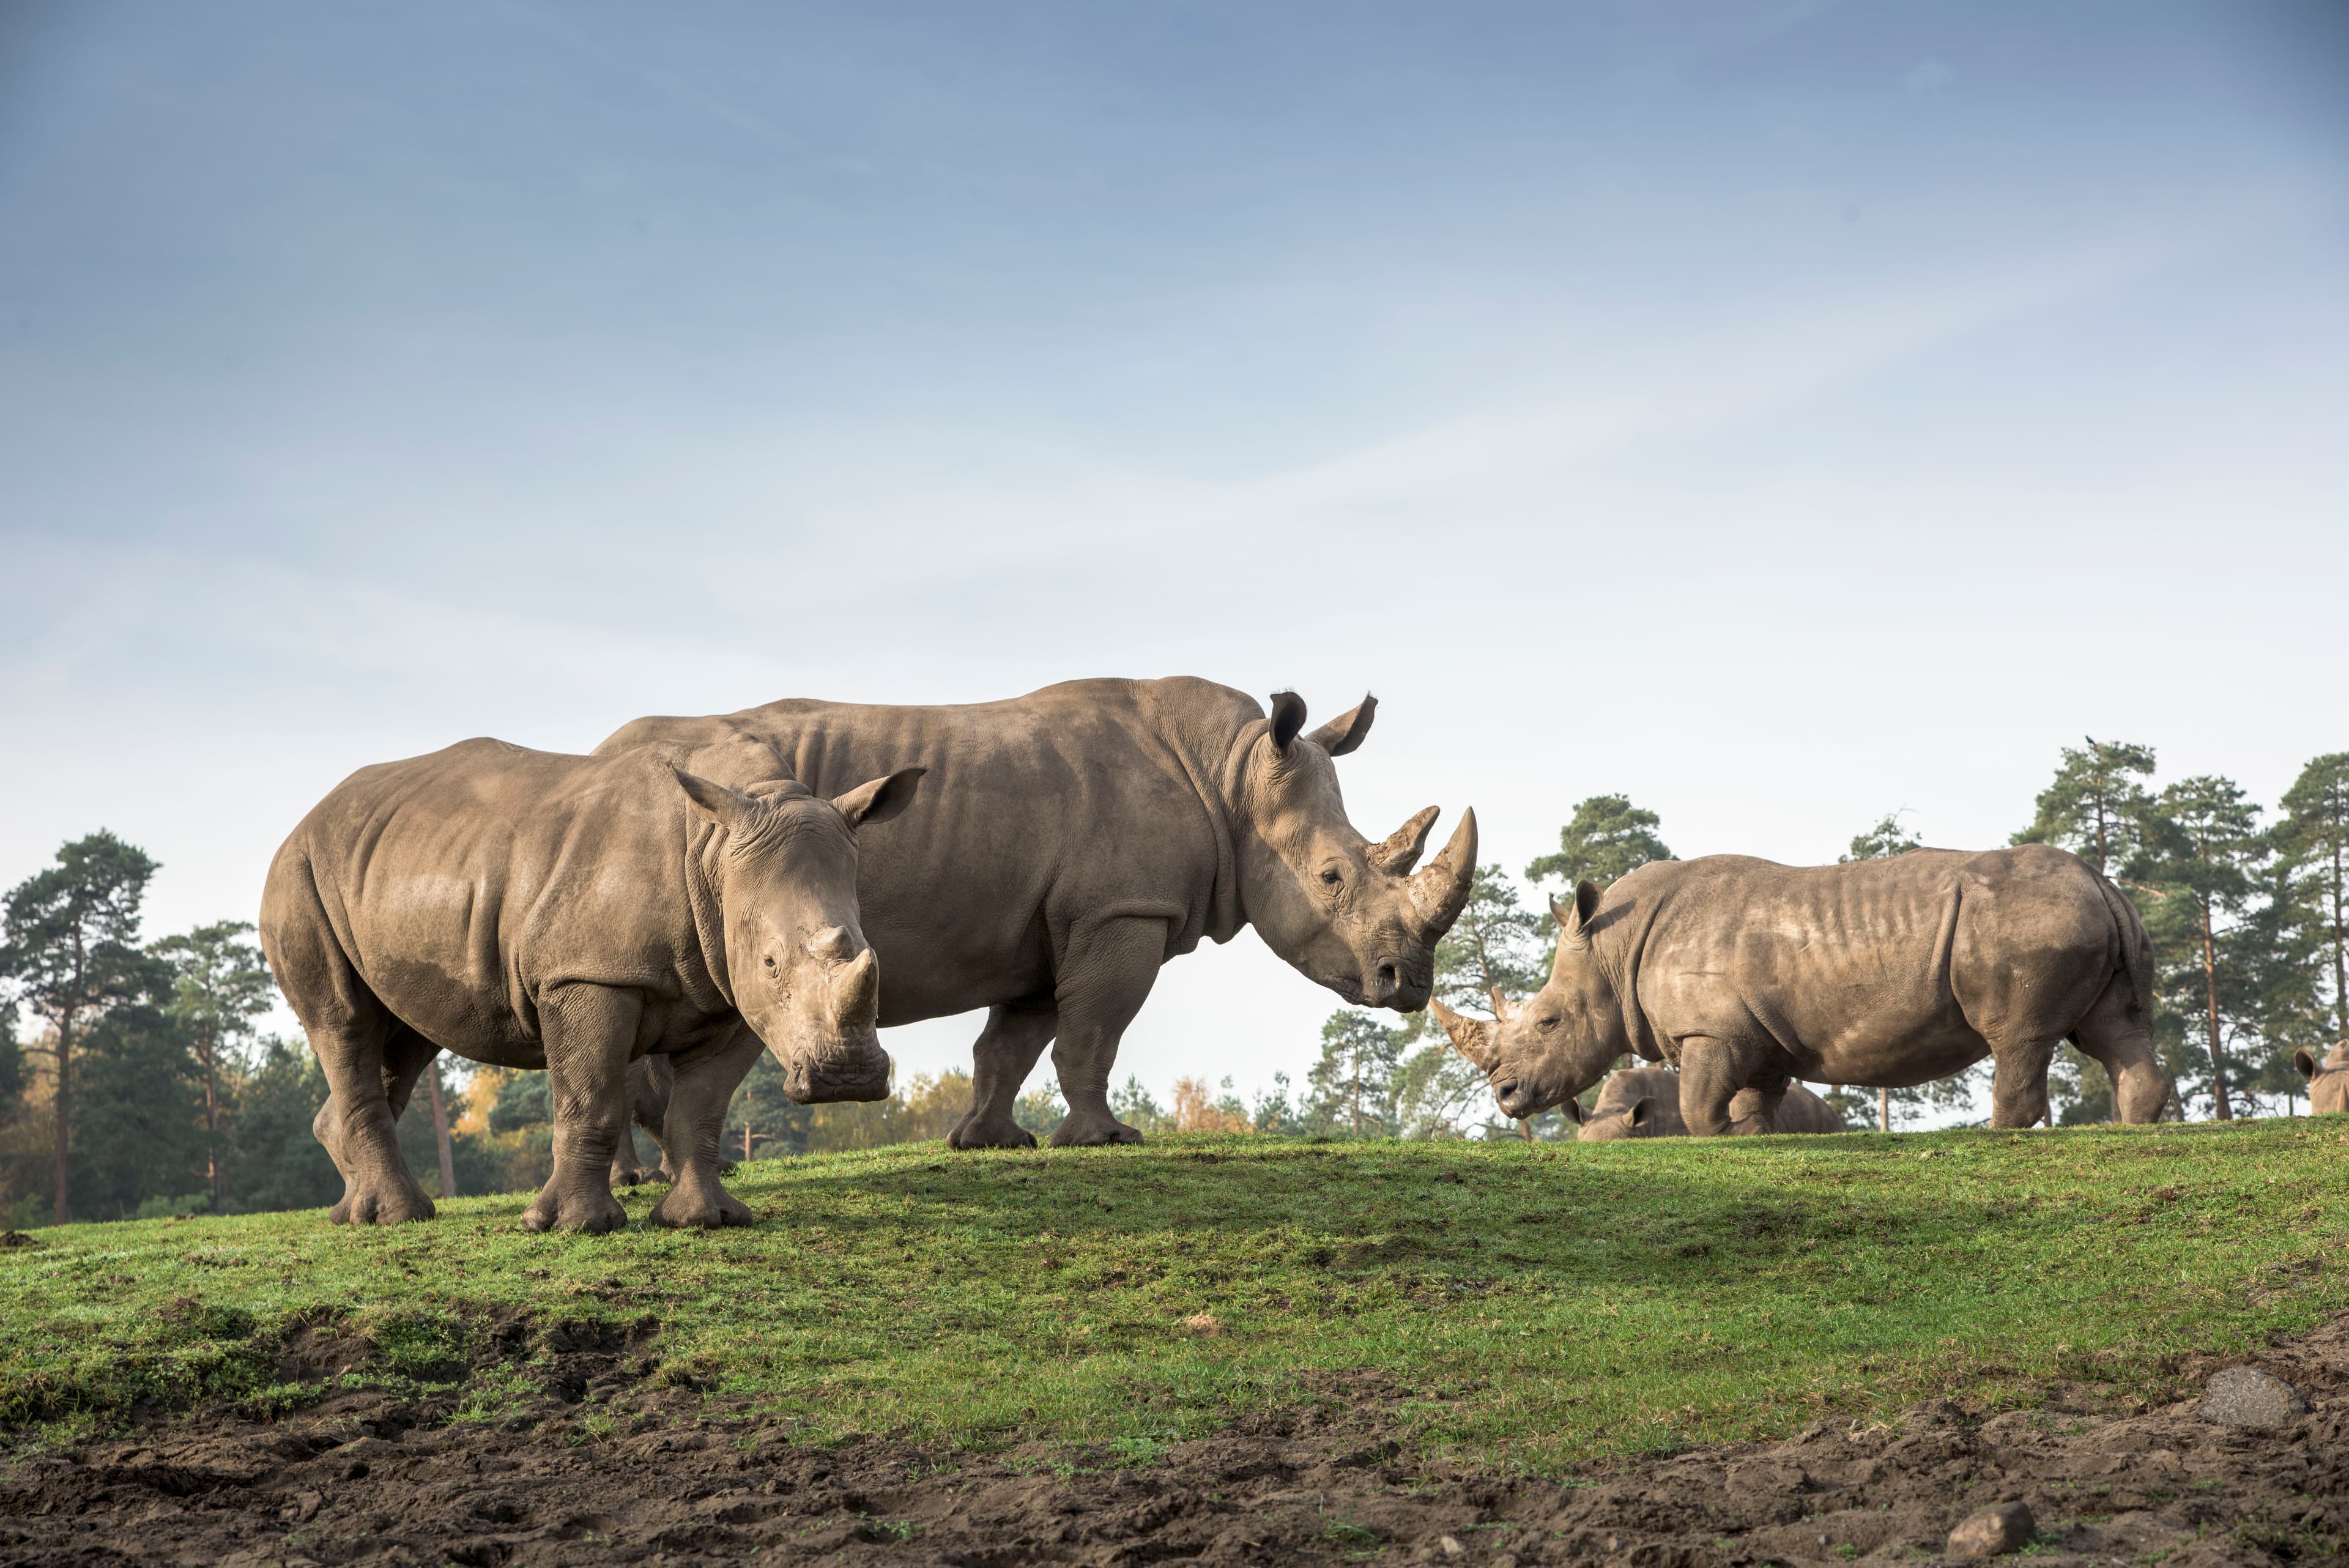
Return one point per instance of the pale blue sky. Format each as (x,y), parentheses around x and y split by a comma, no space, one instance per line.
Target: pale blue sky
(1783,412)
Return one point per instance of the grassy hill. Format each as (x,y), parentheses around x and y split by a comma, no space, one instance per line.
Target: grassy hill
(1529,1302)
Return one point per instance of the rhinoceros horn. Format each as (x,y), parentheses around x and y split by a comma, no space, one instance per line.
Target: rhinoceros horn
(1399,851)
(1500,1005)
(1440,891)
(860,991)
(1472,1037)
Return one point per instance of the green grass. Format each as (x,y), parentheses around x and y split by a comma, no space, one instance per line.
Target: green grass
(1532,1303)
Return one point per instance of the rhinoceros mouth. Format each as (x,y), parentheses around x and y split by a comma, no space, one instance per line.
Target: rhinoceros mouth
(822,1080)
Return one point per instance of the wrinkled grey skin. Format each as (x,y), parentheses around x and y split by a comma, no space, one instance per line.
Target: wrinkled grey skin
(527,909)
(1645,1102)
(1889,972)
(2328,1081)
(1080,837)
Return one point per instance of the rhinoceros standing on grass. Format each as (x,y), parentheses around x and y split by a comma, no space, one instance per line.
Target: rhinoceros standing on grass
(1889,972)
(2328,1081)
(528,909)
(1083,835)
(1645,1102)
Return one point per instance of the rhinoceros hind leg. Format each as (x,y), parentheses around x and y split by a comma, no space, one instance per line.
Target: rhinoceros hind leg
(649,1088)
(589,1030)
(370,1069)
(1002,1059)
(2115,1035)
(2018,1086)
(702,1084)
(1104,980)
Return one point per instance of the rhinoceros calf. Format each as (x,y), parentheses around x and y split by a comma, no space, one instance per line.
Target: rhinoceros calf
(1645,1102)
(2328,1081)
(1082,836)
(1888,973)
(528,909)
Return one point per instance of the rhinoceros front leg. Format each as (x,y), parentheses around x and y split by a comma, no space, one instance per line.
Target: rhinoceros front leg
(1005,1053)
(370,1069)
(704,1085)
(1104,980)
(589,1030)
(1713,1070)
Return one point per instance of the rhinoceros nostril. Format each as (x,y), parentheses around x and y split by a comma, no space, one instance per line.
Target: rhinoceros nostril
(1388,978)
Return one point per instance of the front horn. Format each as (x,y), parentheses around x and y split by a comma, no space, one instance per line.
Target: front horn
(1440,891)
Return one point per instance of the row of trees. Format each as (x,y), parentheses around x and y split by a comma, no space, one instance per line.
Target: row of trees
(2250,926)
(134,1078)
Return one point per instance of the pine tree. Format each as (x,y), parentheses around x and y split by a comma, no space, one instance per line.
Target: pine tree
(2313,837)
(2203,851)
(71,947)
(1352,1086)
(2094,806)
(1887,837)
(218,986)
(1608,838)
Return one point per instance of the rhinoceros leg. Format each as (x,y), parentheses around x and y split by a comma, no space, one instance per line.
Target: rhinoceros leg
(648,1085)
(588,1030)
(1104,979)
(1005,1053)
(2018,1082)
(1754,1110)
(704,1086)
(2114,1034)
(1713,1069)
(370,1069)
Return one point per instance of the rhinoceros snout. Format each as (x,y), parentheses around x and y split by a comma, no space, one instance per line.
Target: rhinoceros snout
(862,1076)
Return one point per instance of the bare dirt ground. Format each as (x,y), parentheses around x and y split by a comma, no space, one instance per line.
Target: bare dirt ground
(368,1478)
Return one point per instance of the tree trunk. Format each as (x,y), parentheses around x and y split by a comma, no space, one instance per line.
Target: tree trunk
(64,1211)
(2340,946)
(211,1121)
(1884,1110)
(2211,989)
(440,1133)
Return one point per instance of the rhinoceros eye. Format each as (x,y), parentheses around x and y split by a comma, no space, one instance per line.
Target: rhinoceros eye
(1332,877)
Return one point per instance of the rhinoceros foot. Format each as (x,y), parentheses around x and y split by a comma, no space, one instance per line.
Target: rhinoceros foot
(693,1205)
(390,1201)
(970,1133)
(1079,1131)
(555,1210)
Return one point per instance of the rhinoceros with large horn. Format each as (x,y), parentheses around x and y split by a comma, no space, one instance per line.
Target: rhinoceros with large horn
(528,909)
(1889,972)
(1080,838)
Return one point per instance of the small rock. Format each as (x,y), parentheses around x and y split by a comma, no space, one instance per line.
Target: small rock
(1451,1544)
(1203,1323)
(1993,1532)
(2246,1396)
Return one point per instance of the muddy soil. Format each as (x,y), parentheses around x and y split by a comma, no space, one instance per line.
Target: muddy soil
(603,1472)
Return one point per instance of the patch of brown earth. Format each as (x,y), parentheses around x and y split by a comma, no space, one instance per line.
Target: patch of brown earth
(603,1472)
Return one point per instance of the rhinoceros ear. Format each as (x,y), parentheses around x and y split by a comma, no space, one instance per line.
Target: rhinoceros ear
(2305,1060)
(1642,1111)
(1472,1037)
(881,799)
(1288,717)
(1574,919)
(725,807)
(1344,732)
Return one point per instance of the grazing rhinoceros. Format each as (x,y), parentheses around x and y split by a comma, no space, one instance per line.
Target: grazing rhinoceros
(1883,973)
(1645,1102)
(2328,1081)
(528,909)
(1083,835)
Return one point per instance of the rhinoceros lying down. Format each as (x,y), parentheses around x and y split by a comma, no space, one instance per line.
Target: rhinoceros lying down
(528,909)
(2328,1081)
(1645,1102)
(1084,834)
(1890,973)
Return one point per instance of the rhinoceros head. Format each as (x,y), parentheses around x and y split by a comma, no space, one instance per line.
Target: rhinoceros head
(2328,1081)
(1549,1048)
(1349,913)
(802,975)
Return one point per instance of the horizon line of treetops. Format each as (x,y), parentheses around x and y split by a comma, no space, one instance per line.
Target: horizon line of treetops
(144,1086)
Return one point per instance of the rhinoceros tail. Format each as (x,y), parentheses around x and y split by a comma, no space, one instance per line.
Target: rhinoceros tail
(2137,948)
